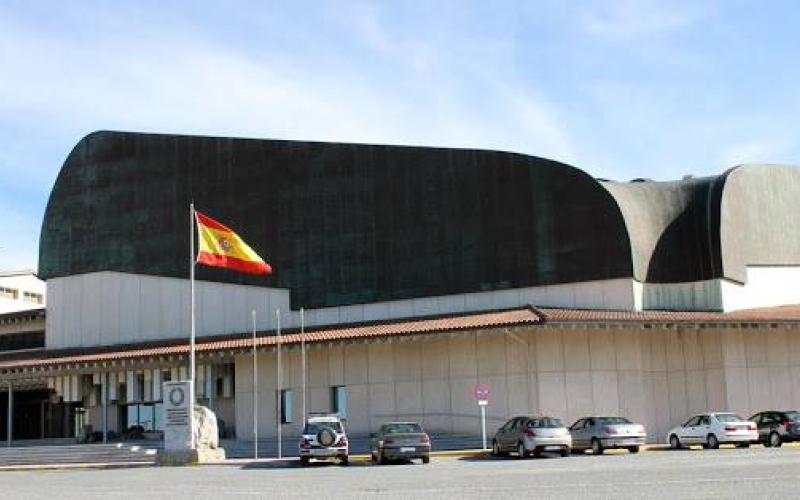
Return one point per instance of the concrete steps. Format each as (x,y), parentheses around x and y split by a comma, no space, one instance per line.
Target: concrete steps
(115,453)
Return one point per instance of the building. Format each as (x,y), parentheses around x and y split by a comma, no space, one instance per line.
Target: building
(419,273)
(21,291)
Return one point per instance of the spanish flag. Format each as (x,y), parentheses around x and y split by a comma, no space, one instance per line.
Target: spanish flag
(221,247)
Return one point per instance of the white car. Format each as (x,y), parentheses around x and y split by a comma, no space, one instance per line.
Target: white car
(324,438)
(711,429)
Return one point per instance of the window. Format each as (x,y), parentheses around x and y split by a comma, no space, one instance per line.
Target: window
(286,400)
(35,298)
(9,293)
(339,400)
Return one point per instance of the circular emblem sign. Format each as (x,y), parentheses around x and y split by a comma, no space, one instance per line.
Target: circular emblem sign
(176,396)
(482,391)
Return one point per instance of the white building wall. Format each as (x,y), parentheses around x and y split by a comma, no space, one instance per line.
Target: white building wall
(658,377)
(109,308)
(17,284)
(765,287)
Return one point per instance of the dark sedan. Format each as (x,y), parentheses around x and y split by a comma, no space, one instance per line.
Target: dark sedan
(400,440)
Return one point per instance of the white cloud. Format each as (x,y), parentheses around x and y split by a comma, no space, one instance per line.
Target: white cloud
(627,19)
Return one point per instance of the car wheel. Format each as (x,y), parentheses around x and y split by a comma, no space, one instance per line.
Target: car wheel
(597,447)
(304,461)
(496,448)
(633,449)
(712,442)
(775,440)
(565,452)
(381,457)
(521,451)
(426,459)
(344,460)
(674,442)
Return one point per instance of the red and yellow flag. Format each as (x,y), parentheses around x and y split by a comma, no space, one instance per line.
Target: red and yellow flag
(221,247)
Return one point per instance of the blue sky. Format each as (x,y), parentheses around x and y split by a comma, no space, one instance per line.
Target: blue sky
(619,88)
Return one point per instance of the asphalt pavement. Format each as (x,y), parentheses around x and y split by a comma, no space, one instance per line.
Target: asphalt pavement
(725,473)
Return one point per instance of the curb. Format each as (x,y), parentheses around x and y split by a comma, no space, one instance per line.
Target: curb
(80,466)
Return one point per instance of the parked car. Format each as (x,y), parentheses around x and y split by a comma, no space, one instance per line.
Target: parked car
(526,435)
(711,429)
(400,440)
(777,427)
(323,438)
(601,433)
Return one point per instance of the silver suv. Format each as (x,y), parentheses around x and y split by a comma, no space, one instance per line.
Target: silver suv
(323,438)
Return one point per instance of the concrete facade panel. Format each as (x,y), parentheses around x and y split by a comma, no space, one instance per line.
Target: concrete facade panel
(463,357)
(407,361)
(605,391)
(549,351)
(435,358)
(777,347)
(580,399)
(576,350)
(696,391)
(381,362)
(491,354)
(601,348)
(712,348)
(627,345)
(356,364)
(519,395)
(552,393)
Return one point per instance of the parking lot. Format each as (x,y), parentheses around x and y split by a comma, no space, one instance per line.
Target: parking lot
(728,473)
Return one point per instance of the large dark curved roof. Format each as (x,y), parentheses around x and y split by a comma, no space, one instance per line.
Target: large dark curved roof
(340,223)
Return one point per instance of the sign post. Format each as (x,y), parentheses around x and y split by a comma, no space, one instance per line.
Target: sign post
(482,395)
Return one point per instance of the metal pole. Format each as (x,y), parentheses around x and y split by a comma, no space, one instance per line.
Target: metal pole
(191,279)
(192,400)
(255,389)
(303,357)
(10,423)
(104,402)
(280,384)
(483,425)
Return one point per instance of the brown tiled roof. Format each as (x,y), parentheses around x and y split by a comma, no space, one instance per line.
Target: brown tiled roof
(767,314)
(244,341)
(387,329)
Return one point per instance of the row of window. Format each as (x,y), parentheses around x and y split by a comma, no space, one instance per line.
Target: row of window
(13,294)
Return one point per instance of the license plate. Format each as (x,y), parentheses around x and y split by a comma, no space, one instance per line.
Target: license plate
(406,449)
(552,447)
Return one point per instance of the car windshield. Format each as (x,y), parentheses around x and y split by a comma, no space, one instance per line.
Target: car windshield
(793,415)
(729,417)
(544,423)
(403,429)
(315,427)
(612,420)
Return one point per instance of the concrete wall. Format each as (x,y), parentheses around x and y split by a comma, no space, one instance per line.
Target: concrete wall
(765,287)
(109,308)
(657,377)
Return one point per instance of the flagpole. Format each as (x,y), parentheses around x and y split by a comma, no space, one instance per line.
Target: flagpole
(280,383)
(192,328)
(191,278)
(255,390)
(303,357)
